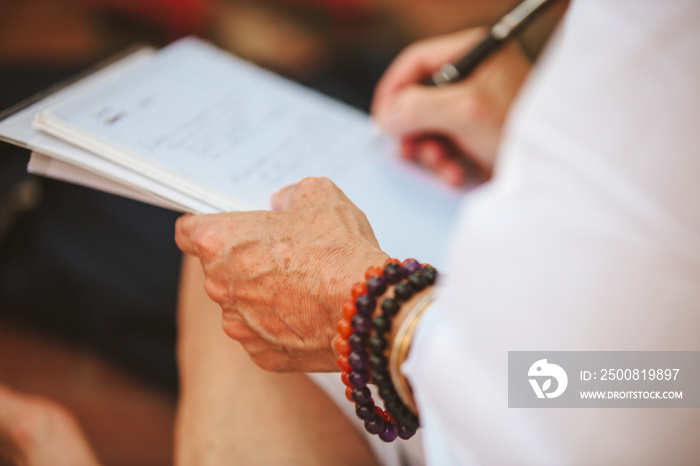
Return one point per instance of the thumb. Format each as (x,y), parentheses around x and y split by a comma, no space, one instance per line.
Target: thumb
(282,199)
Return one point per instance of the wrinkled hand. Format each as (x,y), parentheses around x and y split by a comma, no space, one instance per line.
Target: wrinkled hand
(40,432)
(280,277)
(448,128)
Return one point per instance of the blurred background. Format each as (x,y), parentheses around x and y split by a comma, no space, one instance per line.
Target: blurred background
(88,281)
(299,38)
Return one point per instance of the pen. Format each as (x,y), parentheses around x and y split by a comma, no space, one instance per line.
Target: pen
(499,34)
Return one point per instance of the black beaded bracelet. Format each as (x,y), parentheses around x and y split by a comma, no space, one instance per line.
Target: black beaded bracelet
(419,278)
(358,348)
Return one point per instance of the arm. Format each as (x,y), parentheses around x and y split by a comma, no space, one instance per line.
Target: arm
(231,411)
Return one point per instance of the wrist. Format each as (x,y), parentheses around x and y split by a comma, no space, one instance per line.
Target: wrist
(352,274)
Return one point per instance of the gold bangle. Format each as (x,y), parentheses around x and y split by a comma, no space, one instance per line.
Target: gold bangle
(401,347)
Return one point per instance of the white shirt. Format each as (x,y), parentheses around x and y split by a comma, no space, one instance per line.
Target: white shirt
(587,238)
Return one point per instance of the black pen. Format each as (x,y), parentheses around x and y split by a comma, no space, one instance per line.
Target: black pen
(499,34)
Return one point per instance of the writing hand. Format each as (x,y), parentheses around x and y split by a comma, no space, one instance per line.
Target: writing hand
(444,127)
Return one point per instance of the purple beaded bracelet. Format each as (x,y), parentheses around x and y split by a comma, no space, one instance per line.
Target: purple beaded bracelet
(361,352)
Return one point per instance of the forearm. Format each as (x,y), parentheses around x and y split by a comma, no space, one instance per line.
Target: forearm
(230,409)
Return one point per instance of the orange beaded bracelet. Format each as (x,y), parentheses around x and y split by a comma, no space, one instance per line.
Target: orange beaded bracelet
(361,351)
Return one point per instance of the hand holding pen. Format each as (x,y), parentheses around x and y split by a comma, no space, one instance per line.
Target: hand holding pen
(454,129)
(446,129)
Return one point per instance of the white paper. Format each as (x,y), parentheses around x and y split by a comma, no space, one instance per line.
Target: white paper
(230,126)
(49,167)
(205,125)
(18,129)
(63,152)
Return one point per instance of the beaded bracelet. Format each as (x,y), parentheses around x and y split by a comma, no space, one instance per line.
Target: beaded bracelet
(419,277)
(354,340)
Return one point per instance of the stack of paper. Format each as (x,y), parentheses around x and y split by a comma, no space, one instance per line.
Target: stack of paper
(194,129)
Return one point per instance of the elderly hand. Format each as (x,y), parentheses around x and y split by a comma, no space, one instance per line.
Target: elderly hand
(281,277)
(444,127)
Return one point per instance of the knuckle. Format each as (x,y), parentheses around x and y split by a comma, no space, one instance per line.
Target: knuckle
(310,188)
(181,224)
(217,292)
(207,242)
(305,187)
(408,110)
(472,107)
(314,182)
(181,233)
(270,361)
(325,182)
(236,329)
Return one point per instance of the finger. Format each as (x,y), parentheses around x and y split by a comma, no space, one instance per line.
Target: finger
(430,153)
(419,61)
(312,191)
(439,156)
(450,110)
(216,290)
(408,147)
(453,172)
(281,200)
(204,235)
(236,328)
(430,150)
(184,227)
(408,68)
